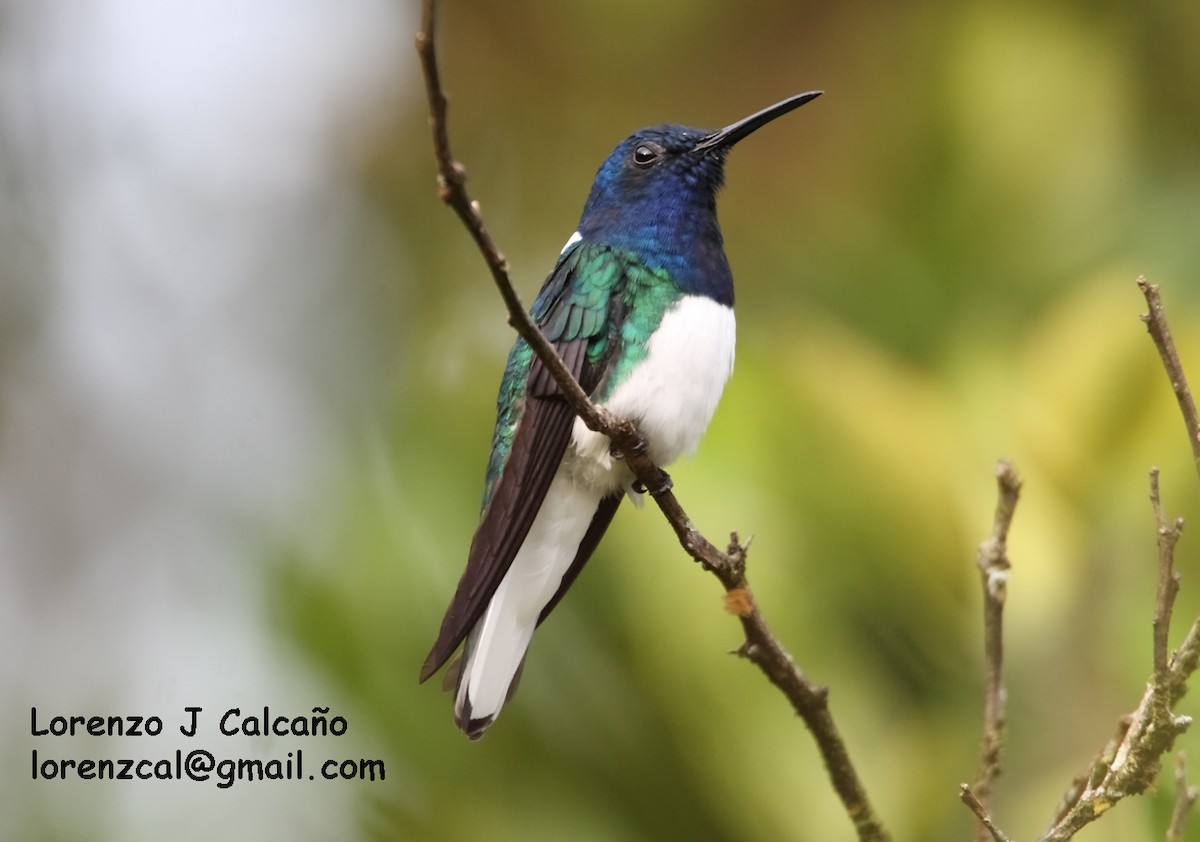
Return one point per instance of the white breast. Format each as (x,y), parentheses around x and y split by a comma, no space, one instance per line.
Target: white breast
(672,394)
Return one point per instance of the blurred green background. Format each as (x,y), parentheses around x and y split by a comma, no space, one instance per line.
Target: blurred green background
(249,366)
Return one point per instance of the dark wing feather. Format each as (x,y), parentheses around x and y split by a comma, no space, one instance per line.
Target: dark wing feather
(541,438)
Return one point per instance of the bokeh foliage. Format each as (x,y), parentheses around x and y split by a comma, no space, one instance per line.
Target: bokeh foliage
(935,268)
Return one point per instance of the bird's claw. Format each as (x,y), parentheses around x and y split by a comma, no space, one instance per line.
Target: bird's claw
(664,485)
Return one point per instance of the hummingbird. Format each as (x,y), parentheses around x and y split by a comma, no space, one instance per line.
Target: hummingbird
(639,306)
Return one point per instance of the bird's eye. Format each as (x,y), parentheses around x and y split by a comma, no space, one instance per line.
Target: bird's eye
(645,155)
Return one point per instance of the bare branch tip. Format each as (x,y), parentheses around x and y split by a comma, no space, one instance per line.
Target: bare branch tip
(1007,477)
(736,550)
(1150,293)
(973,804)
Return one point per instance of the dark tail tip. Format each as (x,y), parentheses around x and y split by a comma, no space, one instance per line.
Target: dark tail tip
(473,728)
(476,728)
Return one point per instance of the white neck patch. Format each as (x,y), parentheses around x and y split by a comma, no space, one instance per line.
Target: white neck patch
(572,240)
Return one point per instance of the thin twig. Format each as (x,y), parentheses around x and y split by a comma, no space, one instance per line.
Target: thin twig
(1168,584)
(985,821)
(1185,799)
(1156,323)
(760,647)
(993,567)
(452,189)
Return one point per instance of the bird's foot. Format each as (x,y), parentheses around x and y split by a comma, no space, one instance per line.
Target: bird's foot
(664,484)
(639,448)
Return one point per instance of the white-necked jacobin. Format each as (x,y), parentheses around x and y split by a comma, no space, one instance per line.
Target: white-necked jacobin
(640,308)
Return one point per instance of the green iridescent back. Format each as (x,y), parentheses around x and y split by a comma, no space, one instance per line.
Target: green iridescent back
(598,293)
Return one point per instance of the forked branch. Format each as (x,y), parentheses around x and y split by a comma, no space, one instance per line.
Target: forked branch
(1130,762)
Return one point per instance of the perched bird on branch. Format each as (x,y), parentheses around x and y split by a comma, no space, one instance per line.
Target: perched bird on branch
(640,308)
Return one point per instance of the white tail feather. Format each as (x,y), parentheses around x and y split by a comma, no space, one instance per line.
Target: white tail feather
(496,646)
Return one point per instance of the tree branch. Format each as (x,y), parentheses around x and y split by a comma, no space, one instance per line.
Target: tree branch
(1168,586)
(1130,763)
(1183,662)
(760,647)
(993,567)
(1156,323)
(452,189)
(1132,760)
(1185,799)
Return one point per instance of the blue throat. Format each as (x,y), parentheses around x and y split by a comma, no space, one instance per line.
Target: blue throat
(695,261)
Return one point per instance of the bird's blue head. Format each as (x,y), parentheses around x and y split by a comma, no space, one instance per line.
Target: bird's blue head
(655,196)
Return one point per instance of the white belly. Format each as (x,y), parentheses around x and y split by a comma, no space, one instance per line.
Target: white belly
(671,395)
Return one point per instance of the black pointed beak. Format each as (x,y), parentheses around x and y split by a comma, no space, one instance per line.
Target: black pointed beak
(724,138)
